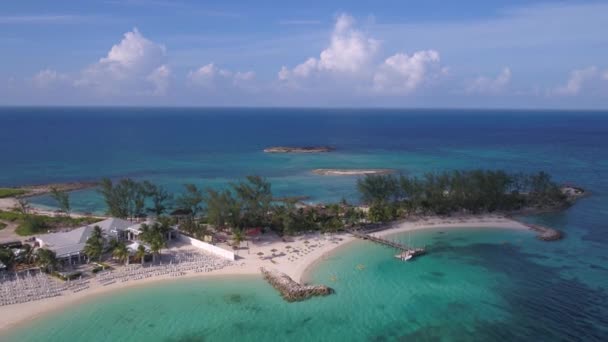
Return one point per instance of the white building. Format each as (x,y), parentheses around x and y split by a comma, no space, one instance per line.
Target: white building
(69,246)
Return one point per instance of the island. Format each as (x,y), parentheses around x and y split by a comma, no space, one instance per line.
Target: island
(245,230)
(302,149)
(352,172)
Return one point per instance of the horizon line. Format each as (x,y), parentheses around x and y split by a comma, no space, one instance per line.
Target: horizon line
(538,109)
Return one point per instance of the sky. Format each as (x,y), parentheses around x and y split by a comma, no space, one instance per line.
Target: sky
(397,53)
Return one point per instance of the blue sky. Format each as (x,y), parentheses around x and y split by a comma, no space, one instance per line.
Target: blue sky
(508,54)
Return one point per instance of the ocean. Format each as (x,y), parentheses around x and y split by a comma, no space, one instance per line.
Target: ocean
(475,284)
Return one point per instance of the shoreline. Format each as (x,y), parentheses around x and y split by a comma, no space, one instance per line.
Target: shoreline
(352,172)
(248,265)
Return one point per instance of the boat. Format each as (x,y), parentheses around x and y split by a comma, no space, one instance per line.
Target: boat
(404,256)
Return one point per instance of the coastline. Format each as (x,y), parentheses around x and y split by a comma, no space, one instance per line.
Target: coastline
(248,265)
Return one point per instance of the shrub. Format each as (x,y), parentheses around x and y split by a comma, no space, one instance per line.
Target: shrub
(9,192)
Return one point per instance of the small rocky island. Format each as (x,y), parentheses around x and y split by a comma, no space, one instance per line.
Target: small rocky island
(352,172)
(292,291)
(302,149)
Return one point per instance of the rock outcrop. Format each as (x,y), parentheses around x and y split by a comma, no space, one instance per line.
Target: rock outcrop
(304,149)
(292,291)
(352,172)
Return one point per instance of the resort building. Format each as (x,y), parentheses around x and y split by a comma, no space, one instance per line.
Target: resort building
(69,246)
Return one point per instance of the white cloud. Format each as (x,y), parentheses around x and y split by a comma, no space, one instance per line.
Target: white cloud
(401,73)
(486,85)
(160,79)
(48,77)
(136,64)
(349,51)
(578,80)
(211,76)
(350,63)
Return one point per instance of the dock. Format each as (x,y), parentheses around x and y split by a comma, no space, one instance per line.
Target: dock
(401,247)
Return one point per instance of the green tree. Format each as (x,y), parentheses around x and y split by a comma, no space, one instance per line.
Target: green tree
(154,236)
(7,257)
(121,252)
(46,259)
(255,197)
(159,196)
(63,200)
(220,207)
(191,200)
(141,253)
(125,199)
(237,238)
(378,188)
(93,247)
(23,206)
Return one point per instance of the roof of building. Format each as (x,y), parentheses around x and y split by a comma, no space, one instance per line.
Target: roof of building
(72,242)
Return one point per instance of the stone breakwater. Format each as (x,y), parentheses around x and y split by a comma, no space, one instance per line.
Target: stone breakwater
(292,291)
(304,149)
(352,172)
(545,233)
(41,189)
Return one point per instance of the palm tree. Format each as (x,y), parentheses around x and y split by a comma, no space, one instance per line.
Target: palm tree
(121,252)
(141,253)
(94,245)
(7,257)
(46,259)
(156,245)
(237,238)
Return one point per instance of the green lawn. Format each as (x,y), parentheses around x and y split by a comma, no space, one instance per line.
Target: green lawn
(9,192)
(38,224)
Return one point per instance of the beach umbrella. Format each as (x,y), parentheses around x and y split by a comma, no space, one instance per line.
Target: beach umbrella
(288,246)
(260,253)
(273,250)
(307,242)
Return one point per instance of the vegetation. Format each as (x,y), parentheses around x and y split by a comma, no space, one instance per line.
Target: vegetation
(2,225)
(477,191)
(192,200)
(155,236)
(63,200)
(159,197)
(94,245)
(32,224)
(125,199)
(120,252)
(46,259)
(141,253)
(11,192)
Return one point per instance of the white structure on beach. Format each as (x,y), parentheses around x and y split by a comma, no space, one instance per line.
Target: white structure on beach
(69,246)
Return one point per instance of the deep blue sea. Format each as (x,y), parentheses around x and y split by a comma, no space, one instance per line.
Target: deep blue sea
(474,285)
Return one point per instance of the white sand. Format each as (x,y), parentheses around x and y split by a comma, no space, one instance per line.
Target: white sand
(249,263)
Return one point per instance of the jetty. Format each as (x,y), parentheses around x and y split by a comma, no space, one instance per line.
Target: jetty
(292,291)
(296,149)
(545,233)
(414,252)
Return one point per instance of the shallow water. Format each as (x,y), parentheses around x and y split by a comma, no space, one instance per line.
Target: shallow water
(473,285)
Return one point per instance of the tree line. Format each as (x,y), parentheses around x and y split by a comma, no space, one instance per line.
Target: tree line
(474,191)
(250,202)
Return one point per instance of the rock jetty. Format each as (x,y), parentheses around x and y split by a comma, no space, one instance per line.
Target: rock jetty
(41,189)
(303,149)
(545,233)
(352,172)
(292,291)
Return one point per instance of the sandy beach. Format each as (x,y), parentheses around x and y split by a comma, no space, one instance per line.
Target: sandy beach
(314,248)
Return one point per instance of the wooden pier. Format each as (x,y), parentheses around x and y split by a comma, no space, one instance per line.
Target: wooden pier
(403,248)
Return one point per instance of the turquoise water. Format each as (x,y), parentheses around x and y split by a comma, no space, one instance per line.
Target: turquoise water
(473,285)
